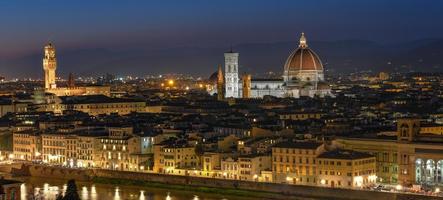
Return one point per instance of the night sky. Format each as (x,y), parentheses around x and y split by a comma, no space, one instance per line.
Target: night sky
(125,26)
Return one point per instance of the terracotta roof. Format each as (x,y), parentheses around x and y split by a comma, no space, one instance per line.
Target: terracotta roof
(299,145)
(303,59)
(344,154)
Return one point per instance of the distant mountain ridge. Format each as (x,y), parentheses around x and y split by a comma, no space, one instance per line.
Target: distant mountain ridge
(337,56)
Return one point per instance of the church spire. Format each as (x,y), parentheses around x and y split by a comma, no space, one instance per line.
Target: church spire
(220,84)
(303,43)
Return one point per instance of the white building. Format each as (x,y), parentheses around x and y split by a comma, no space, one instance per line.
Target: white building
(303,75)
(231,75)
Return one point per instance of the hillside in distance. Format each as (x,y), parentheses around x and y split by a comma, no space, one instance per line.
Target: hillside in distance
(337,56)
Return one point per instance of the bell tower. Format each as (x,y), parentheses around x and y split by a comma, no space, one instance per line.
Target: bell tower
(408,129)
(231,74)
(49,66)
(220,84)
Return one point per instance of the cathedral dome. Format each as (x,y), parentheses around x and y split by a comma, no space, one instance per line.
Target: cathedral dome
(213,78)
(302,59)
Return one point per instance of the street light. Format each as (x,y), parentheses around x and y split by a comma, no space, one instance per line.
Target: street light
(171,82)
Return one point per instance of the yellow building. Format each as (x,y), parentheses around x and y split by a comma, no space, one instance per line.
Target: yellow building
(230,168)
(94,105)
(211,161)
(171,158)
(120,153)
(250,167)
(410,158)
(346,169)
(26,145)
(12,107)
(80,90)
(434,129)
(54,148)
(295,162)
(302,115)
(86,147)
(121,150)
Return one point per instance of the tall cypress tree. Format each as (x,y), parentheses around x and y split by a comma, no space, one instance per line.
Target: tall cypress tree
(71,191)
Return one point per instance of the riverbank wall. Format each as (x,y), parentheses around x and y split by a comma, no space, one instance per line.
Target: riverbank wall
(199,182)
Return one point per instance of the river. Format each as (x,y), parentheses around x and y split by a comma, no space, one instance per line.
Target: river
(49,188)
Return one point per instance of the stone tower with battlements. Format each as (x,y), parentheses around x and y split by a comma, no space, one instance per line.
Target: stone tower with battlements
(49,66)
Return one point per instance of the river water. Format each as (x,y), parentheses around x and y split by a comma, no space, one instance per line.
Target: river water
(48,189)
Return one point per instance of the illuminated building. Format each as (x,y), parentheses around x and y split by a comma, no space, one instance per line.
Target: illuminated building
(246,86)
(94,105)
(230,168)
(10,189)
(303,75)
(250,167)
(54,148)
(121,150)
(220,84)
(410,158)
(211,161)
(344,168)
(26,145)
(171,158)
(231,74)
(11,106)
(301,115)
(295,162)
(49,68)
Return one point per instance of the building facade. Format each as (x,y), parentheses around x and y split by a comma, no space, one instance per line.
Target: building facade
(50,67)
(303,75)
(231,75)
(410,158)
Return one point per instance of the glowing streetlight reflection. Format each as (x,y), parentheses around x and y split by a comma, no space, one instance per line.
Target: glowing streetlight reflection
(117,194)
(168,197)
(142,195)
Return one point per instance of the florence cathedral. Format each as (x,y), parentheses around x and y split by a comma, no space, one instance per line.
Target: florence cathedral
(303,75)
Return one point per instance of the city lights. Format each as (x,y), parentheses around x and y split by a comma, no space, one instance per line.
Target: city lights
(267,100)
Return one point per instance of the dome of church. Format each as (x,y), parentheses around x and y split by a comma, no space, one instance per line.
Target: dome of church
(302,59)
(213,78)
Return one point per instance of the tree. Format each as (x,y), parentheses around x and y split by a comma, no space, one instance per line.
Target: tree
(71,191)
(59,197)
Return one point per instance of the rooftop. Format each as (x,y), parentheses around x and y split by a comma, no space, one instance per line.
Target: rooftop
(344,154)
(94,99)
(299,145)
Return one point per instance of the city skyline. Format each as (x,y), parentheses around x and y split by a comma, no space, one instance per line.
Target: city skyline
(141,38)
(252,99)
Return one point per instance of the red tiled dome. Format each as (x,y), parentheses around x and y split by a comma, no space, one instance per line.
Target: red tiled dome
(302,59)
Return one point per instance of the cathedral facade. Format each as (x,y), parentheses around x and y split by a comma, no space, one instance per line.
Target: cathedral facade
(303,75)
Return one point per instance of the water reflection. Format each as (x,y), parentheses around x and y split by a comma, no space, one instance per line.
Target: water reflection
(142,195)
(34,188)
(117,194)
(93,193)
